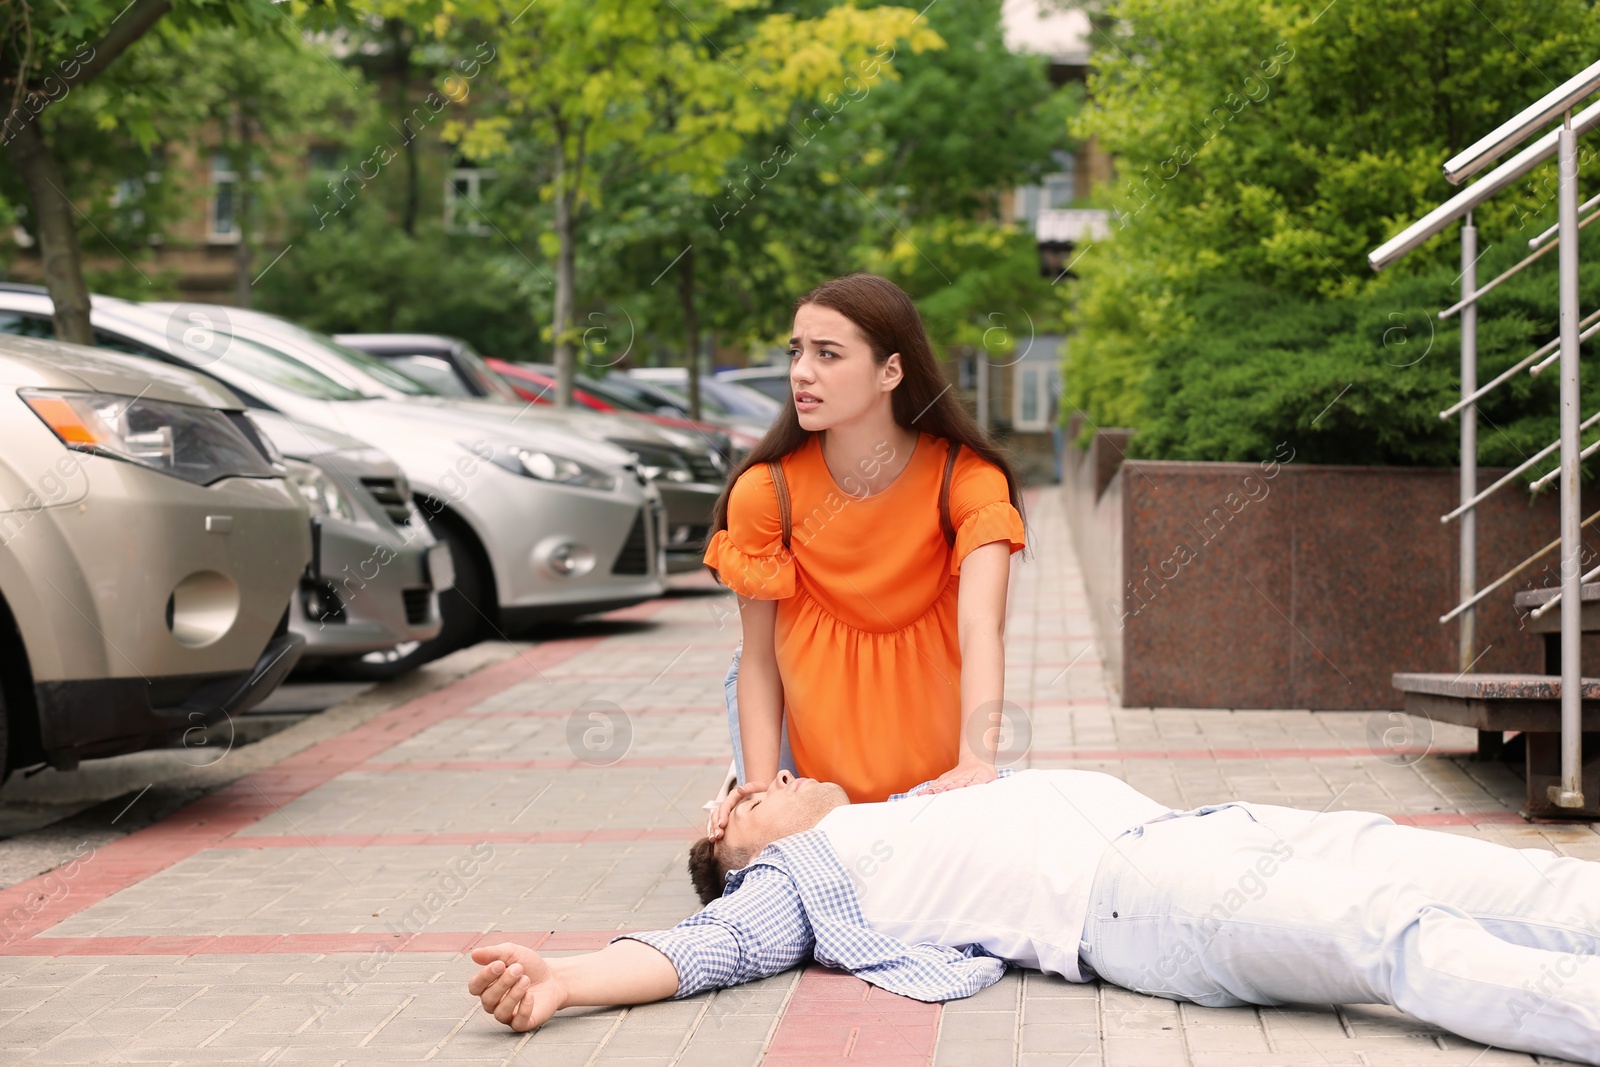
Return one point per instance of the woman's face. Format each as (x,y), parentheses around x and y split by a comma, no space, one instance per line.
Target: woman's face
(832,373)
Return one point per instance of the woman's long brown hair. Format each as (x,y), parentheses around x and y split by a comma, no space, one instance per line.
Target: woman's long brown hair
(922,401)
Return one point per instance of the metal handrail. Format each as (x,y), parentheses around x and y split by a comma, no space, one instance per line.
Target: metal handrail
(1511,372)
(1535,242)
(1476,193)
(1567,791)
(1510,574)
(1582,337)
(1522,125)
(1538,612)
(1508,272)
(1544,479)
(1511,475)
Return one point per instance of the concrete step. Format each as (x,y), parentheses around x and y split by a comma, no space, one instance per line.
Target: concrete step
(1527,703)
(1550,621)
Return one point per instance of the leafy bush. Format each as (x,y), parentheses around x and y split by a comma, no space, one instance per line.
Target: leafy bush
(1263,148)
(1358,379)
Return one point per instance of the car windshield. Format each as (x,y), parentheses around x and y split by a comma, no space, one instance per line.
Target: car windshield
(709,399)
(646,392)
(257,361)
(373,367)
(431,371)
(740,399)
(771,386)
(472,365)
(622,398)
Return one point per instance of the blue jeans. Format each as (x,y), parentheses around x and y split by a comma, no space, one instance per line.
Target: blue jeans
(1256,904)
(730,696)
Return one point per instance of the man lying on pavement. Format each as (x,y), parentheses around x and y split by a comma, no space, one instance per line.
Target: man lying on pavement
(1078,874)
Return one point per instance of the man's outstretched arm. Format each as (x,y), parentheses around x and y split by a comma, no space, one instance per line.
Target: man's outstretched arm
(758,929)
(522,989)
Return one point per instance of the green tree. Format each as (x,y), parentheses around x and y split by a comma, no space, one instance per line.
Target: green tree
(902,176)
(1266,147)
(611,88)
(49,51)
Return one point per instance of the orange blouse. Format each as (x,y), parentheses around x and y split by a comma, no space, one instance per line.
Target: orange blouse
(866,626)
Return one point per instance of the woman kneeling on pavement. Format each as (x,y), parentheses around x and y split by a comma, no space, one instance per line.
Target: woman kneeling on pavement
(869,539)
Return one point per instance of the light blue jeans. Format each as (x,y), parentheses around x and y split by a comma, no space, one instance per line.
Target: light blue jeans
(730,697)
(1256,904)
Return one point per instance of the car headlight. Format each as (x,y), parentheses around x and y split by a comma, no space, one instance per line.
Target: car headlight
(197,444)
(323,495)
(546,466)
(657,463)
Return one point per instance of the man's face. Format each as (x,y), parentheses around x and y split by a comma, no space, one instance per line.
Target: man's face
(788,806)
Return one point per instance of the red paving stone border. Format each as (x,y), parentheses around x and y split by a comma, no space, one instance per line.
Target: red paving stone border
(493,837)
(562,713)
(834,1018)
(539,764)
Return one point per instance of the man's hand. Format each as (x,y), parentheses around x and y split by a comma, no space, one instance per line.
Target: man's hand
(719,818)
(965,773)
(516,985)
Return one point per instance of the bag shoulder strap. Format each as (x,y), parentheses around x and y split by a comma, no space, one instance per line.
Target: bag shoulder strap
(780,485)
(944,495)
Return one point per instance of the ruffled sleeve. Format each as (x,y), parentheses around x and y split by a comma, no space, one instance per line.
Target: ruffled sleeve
(748,557)
(980,508)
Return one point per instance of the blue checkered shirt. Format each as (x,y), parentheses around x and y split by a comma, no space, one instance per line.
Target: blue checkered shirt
(795,901)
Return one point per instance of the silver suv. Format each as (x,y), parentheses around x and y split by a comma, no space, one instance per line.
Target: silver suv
(148,546)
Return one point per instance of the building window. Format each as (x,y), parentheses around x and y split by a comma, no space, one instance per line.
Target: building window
(224,199)
(1030,398)
(463,200)
(1057,191)
(323,161)
(228,201)
(1060,188)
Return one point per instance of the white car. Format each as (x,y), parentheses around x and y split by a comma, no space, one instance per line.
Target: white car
(541,525)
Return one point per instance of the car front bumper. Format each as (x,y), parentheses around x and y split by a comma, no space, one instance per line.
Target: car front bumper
(95,717)
(375,590)
(689,508)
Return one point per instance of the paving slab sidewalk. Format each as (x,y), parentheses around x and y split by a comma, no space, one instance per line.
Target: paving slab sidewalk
(318,909)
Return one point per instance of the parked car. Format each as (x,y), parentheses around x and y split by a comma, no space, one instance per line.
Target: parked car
(536,383)
(687,469)
(148,546)
(372,595)
(771,382)
(725,399)
(541,525)
(448,365)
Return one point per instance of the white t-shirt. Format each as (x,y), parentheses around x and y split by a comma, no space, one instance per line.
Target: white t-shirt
(1006,865)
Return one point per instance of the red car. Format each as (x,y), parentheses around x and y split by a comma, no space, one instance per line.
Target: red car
(538,387)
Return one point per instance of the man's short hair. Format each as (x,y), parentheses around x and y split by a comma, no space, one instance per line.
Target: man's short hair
(708,871)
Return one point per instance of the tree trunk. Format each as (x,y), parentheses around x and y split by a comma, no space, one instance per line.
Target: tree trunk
(691,328)
(241,211)
(566,283)
(401,39)
(56,231)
